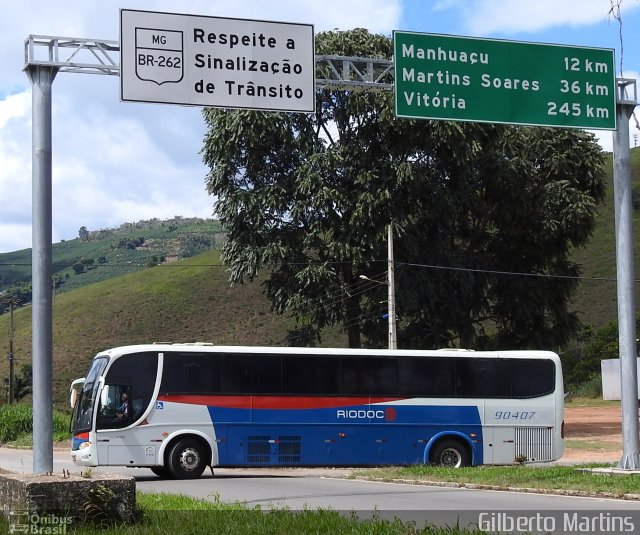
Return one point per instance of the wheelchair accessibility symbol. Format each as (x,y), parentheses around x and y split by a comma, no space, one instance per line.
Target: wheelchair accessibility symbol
(159,405)
(159,55)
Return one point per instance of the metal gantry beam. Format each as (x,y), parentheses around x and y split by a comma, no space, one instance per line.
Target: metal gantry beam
(70,54)
(349,73)
(96,56)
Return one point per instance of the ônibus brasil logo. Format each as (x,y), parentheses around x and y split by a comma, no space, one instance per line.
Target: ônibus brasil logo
(388,414)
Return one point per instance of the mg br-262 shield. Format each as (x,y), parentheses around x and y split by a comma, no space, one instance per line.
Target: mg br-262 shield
(159,55)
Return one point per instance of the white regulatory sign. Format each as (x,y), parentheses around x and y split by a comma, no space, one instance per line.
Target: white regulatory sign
(219,62)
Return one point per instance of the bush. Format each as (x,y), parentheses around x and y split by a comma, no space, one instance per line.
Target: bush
(591,389)
(17,420)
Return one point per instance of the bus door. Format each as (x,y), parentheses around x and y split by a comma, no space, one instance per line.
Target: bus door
(114,416)
(124,399)
(498,433)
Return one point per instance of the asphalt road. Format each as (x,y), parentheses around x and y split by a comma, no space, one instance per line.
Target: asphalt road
(323,488)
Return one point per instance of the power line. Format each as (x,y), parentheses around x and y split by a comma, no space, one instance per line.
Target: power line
(510,273)
(408,264)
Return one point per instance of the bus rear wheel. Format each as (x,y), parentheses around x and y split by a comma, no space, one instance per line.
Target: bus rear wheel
(186,459)
(451,453)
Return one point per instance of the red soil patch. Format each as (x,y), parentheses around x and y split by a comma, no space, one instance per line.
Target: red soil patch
(599,429)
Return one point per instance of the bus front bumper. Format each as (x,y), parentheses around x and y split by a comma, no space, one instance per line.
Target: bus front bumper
(86,455)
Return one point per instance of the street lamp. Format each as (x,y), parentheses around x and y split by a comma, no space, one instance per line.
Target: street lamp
(393,340)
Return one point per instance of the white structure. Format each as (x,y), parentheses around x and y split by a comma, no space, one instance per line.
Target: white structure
(611,378)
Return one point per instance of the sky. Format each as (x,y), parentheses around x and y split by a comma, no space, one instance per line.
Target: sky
(117,162)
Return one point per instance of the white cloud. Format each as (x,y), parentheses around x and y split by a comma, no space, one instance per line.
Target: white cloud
(15,171)
(15,237)
(485,17)
(115,162)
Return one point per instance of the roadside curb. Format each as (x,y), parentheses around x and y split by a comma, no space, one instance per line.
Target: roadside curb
(478,486)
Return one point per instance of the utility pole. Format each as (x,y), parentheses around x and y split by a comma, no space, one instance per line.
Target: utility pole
(12,382)
(393,340)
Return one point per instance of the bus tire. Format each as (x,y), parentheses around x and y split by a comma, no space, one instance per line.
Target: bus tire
(161,471)
(450,453)
(187,459)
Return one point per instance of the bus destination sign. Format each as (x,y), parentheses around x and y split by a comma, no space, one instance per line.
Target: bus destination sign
(220,62)
(484,80)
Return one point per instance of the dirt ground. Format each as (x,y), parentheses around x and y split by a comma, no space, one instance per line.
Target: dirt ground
(592,434)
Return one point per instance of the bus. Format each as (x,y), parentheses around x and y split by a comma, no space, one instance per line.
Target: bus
(198,405)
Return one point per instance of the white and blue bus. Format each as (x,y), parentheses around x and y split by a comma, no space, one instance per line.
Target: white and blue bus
(198,405)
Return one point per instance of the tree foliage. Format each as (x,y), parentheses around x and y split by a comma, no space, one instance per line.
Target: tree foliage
(584,361)
(83,233)
(310,197)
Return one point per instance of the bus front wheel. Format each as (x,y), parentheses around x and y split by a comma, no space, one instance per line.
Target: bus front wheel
(450,453)
(186,459)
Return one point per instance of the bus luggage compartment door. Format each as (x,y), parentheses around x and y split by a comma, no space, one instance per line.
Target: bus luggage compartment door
(274,449)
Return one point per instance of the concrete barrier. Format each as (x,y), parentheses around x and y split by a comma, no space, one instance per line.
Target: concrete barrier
(55,501)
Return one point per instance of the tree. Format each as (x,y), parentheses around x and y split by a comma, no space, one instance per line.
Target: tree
(83,233)
(310,197)
(23,382)
(195,244)
(78,267)
(601,345)
(19,293)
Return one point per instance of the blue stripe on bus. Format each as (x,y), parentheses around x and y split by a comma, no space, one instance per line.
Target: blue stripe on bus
(352,435)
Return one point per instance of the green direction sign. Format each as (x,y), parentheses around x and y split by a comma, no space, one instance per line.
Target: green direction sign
(484,80)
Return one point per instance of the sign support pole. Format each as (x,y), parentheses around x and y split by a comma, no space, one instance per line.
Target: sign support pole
(41,80)
(625,284)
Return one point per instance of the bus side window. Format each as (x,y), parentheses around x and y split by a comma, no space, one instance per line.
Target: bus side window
(234,374)
(497,378)
(532,378)
(115,407)
(309,374)
(250,374)
(469,378)
(369,376)
(420,377)
(190,373)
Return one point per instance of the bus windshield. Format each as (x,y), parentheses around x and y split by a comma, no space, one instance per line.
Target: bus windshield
(84,407)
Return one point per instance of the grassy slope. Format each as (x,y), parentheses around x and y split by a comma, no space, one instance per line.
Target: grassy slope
(165,239)
(596,300)
(185,301)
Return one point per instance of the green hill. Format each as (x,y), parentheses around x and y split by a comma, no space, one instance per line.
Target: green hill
(185,301)
(107,253)
(596,299)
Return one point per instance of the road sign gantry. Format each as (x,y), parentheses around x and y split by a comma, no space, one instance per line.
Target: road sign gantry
(96,56)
